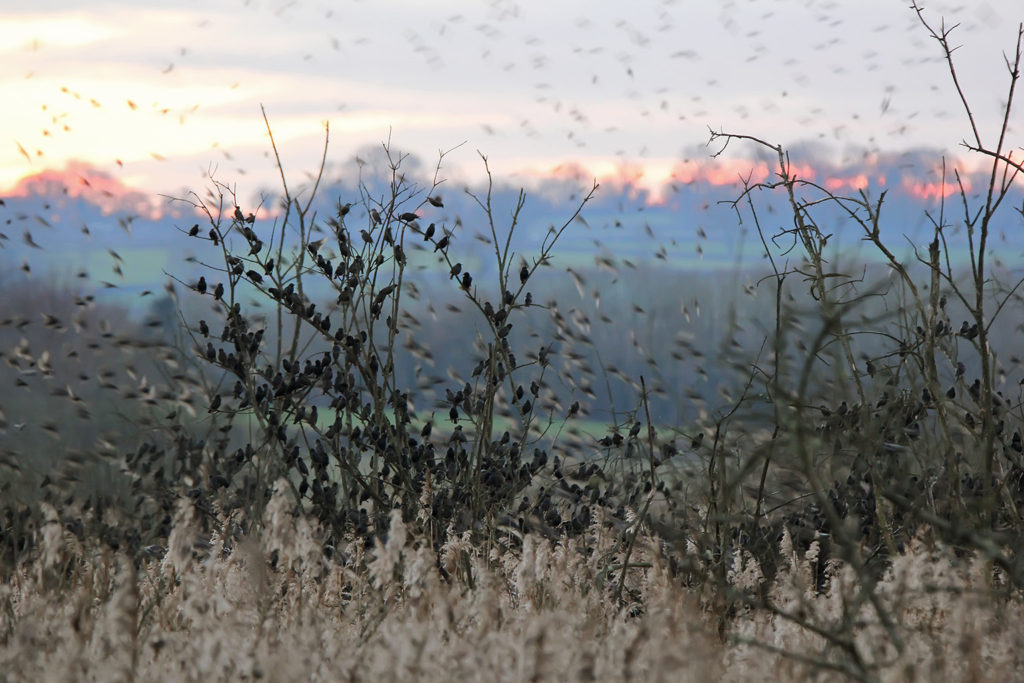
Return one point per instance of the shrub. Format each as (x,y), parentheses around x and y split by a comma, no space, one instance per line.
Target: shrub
(314,378)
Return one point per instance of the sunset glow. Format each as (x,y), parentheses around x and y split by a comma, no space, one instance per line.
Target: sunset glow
(43,31)
(159,97)
(857,182)
(79,179)
(934,190)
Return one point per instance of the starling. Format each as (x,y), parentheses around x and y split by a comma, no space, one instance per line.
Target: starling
(218,291)
(194,230)
(436,201)
(467,280)
(429,233)
(201,285)
(442,244)
(31,242)
(456,269)
(975,390)
(524,274)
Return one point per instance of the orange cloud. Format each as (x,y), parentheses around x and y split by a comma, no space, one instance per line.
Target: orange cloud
(933,190)
(652,182)
(855,182)
(80,179)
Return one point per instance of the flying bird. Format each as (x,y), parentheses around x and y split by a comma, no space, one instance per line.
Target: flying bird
(29,241)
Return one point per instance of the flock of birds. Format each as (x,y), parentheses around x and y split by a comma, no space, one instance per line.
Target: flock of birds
(604,62)
(594,85)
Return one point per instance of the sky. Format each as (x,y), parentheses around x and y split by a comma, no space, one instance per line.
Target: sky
(158,96)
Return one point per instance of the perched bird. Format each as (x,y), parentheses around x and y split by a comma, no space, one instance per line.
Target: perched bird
(975,390)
